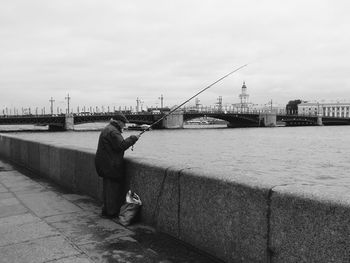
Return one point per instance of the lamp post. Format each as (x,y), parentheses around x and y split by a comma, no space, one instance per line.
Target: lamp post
(68,99)
(161,100)
(51,107)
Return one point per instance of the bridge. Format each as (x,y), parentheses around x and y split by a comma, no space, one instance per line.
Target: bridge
(67,122)
(175,120)
(233,119)
(257,119)
(310,120)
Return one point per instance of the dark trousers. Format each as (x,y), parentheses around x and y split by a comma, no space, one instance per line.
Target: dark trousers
(113,197)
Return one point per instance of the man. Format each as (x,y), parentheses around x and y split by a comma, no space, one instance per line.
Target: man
(109,164)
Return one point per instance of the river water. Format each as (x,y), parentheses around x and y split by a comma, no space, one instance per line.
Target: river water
(303,155)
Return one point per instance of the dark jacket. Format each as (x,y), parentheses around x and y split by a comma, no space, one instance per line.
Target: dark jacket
(110,151)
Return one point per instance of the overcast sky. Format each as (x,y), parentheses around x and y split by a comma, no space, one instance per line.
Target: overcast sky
(111,52)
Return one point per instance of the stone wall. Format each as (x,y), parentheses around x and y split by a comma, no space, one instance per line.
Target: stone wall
(174,120)
(233,219)
(267,119)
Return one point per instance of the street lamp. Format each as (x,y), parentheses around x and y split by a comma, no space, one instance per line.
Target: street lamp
(68,99)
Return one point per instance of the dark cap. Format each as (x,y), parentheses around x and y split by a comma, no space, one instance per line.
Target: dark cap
(120,117)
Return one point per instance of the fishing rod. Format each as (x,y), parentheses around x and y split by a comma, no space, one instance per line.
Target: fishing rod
(212,84)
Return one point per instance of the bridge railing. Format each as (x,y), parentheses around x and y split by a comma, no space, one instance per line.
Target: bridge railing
(186,110)
(230,111)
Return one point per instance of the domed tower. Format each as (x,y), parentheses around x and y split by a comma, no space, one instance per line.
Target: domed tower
(244,98)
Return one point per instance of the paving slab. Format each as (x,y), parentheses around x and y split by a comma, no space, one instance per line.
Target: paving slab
(167,248)
(7,209)
(84,229)
(3,189)
(11,180)
(9,201)
(126,252)
(144,246)
(40,222)
(75,259)
(12,233)
(12,175)
(18,220)
(47,203)
(38,250)
(6,195)
(68,216)
(84,202)
(18,182)
(27,186)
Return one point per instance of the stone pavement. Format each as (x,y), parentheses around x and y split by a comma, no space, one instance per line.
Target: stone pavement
(39,222)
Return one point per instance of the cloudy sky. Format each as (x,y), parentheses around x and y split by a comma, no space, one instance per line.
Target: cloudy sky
(111,52)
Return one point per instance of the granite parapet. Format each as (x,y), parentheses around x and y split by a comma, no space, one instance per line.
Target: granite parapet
(232,217)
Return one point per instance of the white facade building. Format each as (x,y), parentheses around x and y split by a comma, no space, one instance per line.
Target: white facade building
(337,109)
(244,105)
(309,108)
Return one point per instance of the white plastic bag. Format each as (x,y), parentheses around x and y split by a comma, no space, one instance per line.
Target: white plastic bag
(130,209)
(132,198)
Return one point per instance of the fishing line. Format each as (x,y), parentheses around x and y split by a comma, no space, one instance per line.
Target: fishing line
(195,95)
(170,112)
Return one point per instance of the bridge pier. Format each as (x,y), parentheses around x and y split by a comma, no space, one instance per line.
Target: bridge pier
(319,120)
(173,121)
(267,120)
(68,124)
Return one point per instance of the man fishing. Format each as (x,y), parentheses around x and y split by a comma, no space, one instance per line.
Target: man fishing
(109,163)
(110,153)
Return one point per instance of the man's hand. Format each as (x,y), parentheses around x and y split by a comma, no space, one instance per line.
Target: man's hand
(134,137)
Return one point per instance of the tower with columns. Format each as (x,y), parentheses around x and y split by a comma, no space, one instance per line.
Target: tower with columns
(244,98)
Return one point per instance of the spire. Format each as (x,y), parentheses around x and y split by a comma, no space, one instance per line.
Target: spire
(244,97)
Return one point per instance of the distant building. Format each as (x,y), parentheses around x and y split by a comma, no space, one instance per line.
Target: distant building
(309,108)
(337,109)
(244,96)
(244,105)
(267,108)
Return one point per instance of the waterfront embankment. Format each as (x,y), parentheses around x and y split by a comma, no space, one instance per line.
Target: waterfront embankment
(41,222)
(226,215)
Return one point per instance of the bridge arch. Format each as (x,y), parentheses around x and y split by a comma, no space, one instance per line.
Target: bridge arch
(234,120)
